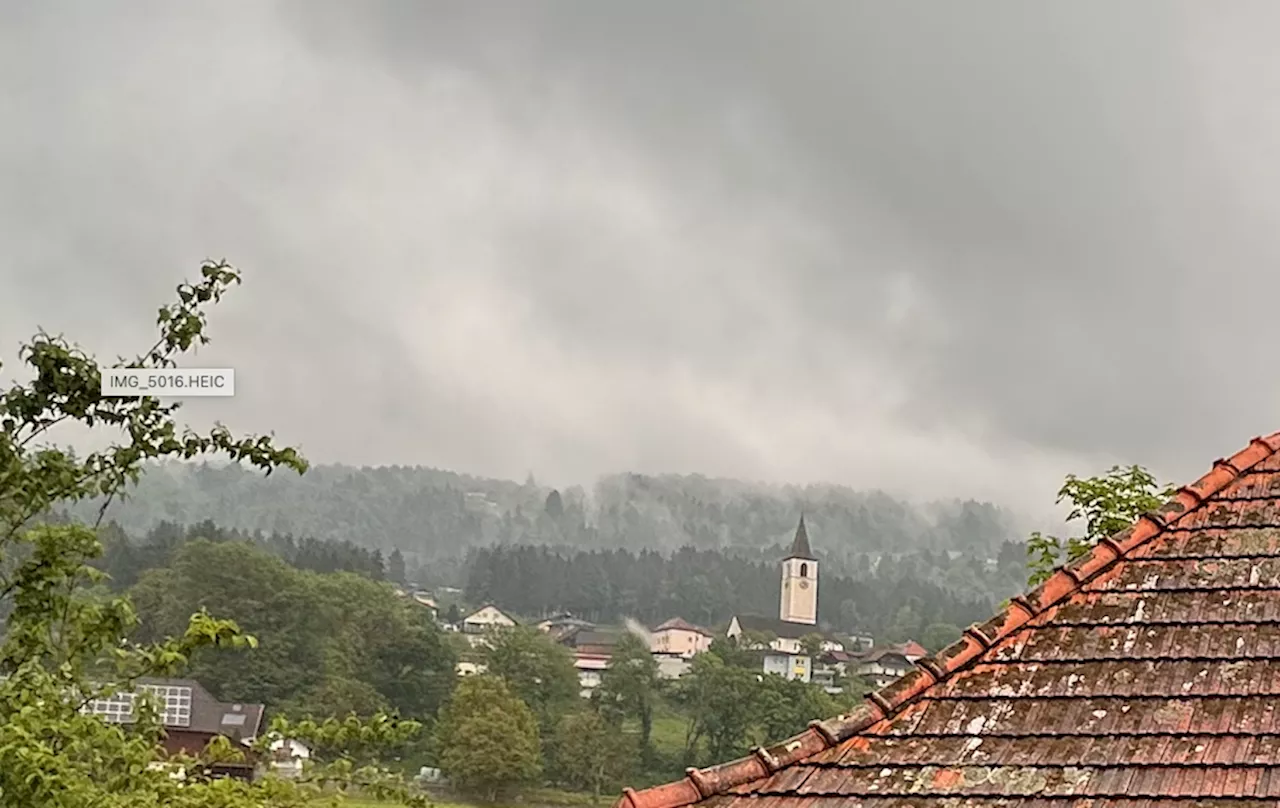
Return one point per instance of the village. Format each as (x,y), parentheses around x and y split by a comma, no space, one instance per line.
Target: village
(792,644)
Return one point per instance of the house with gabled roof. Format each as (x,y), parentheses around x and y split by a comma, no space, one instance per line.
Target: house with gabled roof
(191,718)
(1145,673)
(679,637)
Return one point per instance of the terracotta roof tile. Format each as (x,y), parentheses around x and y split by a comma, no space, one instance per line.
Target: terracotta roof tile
(1146,673)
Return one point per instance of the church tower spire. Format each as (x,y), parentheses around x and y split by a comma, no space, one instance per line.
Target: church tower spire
(800,545)
(799,602)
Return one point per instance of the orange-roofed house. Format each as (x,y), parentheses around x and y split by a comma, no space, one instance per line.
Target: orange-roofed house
(913,650)
(1145,674)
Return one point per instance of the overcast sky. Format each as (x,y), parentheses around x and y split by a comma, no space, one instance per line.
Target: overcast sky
(943,249)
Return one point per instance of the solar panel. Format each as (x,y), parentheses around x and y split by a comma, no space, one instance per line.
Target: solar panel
(116,709)
(175,704)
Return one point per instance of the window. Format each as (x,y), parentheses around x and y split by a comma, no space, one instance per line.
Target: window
(804,570)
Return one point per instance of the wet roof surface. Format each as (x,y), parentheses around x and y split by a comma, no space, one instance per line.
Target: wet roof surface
(1147,673)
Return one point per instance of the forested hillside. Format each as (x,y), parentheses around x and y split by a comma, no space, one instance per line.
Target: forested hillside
(896,602)
(429,514)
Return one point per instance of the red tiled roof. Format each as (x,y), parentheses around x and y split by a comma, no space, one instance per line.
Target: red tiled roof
(1146,673)
(912,648)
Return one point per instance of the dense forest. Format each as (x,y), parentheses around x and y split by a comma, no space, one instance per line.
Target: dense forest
(432,516)
(894,599)
(126,557)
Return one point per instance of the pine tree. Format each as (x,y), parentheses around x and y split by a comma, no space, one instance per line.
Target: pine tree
(395,567)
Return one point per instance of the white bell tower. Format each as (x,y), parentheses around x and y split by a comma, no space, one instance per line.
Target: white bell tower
(800,582)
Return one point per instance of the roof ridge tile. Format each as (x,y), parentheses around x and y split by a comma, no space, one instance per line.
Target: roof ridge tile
(882,704)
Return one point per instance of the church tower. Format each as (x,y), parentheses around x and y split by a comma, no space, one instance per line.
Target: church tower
(800,581)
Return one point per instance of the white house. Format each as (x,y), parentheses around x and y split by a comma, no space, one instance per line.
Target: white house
(288,757)
(485,618)
(671,666)
(882,666)
(788,666)
(590,667)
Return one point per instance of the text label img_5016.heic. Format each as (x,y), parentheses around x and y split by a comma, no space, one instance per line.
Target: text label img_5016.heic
(168,382)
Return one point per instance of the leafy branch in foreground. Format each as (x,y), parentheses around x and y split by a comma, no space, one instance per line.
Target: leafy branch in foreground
(64,642)
(1108,504)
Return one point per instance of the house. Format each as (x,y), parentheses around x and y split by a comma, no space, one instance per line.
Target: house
(556,620)
(679,638)
(913,650)
(797,615)
(564,625)
(288,757)
(1144,673)
(829,667)
(427,602)
(785,637)
(486,618)
(882,666)
(191,718)
(592,652)
(860,641)
(591,666)
(789,666)
(672,666)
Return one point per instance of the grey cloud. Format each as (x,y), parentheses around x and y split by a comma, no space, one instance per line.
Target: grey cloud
(941,249)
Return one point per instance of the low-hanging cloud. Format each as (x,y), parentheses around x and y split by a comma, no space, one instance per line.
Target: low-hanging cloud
(960,252)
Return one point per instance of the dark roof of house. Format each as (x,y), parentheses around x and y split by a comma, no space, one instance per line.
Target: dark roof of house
(839,657)
(1145,673)
(680,624)
(800,545)
(207,715)
(777,627)
(885,656)
(596,638)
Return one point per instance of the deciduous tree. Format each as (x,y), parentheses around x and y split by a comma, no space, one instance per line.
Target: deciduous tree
(630,687)
(590,753)
(67,641)
(1108,504)
(538,671)
(488,739)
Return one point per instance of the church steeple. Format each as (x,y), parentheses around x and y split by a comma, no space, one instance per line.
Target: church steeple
(800,546)
(799,581)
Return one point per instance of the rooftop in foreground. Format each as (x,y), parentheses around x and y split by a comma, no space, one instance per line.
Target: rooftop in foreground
(1147,673)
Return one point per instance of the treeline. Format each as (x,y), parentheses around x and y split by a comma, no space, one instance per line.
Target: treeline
(125,557)
(895,601)
(328,643)
(429,513)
